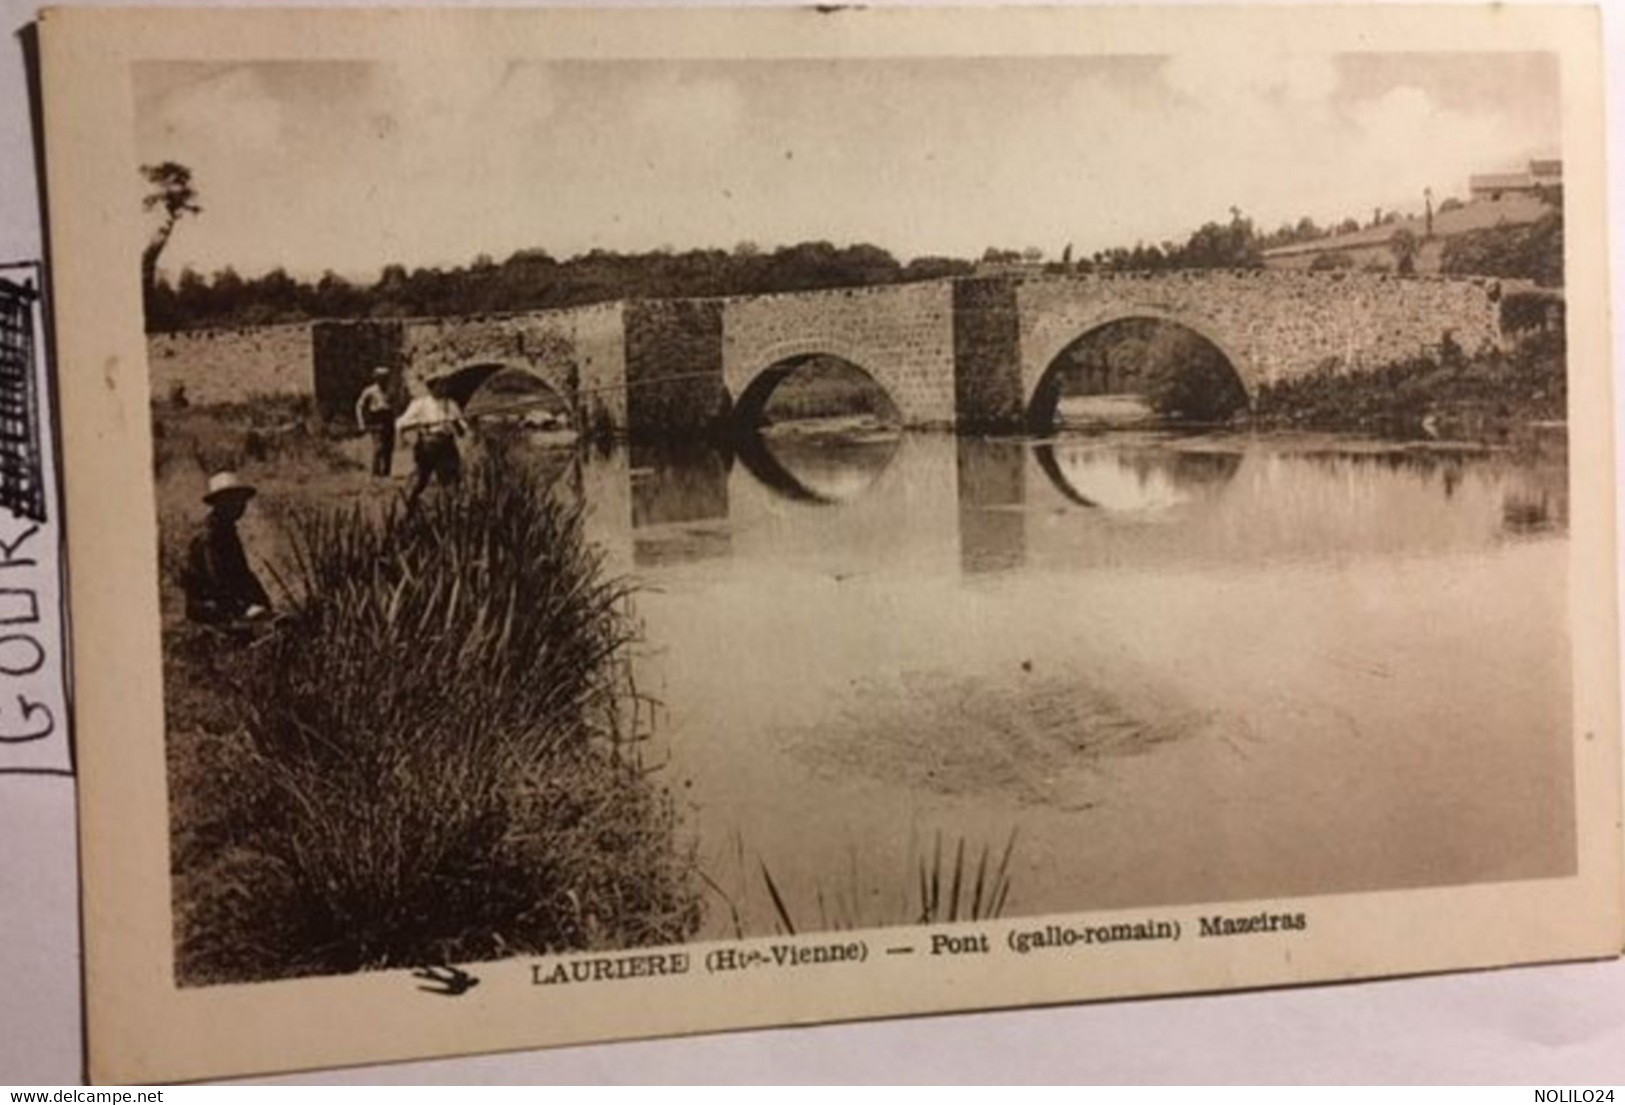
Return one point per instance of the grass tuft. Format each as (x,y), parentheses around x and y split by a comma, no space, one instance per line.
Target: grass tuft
(945,891)
(434,754)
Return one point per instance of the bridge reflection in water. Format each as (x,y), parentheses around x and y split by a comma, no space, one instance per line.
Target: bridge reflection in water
(1126,500)
(1187,668)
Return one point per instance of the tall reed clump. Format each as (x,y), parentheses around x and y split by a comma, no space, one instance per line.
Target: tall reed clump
(434,742)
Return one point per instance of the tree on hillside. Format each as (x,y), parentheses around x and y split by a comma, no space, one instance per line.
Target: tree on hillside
(172,191)
(1232,246)
(935,268)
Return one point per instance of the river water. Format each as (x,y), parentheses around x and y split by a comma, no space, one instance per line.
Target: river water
(1159,669)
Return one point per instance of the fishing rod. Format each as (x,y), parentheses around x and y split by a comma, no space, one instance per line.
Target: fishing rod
(581,391)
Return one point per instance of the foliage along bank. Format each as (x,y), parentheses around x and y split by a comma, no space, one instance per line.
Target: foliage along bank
(1446,393)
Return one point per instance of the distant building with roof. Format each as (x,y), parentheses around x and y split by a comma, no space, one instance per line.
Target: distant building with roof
(1498,199)
(1542,173)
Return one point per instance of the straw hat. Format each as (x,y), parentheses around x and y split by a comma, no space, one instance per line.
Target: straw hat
(227,485)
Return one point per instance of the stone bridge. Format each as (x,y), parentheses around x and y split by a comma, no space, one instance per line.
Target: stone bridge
(968,353)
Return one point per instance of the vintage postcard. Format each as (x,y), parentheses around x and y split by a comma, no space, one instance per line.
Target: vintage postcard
(593,524)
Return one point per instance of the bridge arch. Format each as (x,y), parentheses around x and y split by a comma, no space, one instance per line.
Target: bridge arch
(802,347)
(830,361)
(900,335)
(1044,390)
(500,387)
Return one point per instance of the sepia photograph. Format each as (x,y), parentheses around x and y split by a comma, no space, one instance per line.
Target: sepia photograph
(750,550)
(622,515)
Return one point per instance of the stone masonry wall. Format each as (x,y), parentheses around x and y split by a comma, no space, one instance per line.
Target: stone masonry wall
(230,366)
(579,352)
(562,348)
(1271,325)
(970,352)
(901,335)
(674,367)
(600,338)
(987,355)
(343,356)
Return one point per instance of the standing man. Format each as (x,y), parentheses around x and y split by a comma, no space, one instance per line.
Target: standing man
(220,586)
(438,422)
(375,415)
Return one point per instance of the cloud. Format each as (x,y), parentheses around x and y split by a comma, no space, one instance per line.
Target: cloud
(424,163)
(1279,136)
(675,108)
(233,111)
(453,109)
(1219,78)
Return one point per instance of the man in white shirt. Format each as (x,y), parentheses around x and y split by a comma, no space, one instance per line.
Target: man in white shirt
(437,421)
(375,415)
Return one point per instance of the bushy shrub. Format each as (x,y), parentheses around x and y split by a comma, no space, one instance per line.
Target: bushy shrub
(1188,379)
(1525,312)
(1331,261)
(1529,252)
(1447,389)
(429,744)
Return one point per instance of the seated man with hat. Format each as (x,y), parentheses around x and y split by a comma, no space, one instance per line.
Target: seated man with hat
(220,586)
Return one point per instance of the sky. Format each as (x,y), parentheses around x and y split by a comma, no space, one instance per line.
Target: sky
(348,166)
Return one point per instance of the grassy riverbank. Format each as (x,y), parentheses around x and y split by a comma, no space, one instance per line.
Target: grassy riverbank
(1446,393)
(431,757)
